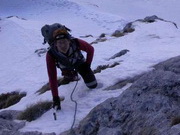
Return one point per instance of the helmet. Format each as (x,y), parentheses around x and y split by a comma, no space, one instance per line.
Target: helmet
(50,32)
(60,34)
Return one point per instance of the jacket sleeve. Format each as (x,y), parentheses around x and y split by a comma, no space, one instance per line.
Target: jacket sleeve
(52,74)
(84,46)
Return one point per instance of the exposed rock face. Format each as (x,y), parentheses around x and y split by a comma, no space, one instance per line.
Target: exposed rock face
(130,27)
(119,54)
(151,106)
(9,114)
(9,127)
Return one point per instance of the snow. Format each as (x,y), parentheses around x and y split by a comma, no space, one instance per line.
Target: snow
(23,70)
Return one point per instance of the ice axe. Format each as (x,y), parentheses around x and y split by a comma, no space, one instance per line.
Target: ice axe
(54,113)
(55,108)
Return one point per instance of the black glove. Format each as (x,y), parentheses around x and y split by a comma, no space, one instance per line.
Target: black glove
(56,103)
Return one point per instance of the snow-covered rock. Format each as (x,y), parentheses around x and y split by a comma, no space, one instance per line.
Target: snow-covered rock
(8,125)
(149,106)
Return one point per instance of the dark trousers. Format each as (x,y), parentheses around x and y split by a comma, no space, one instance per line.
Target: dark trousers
(88,76)
(86,73)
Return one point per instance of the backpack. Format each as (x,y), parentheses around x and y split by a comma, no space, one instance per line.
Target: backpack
(48,30)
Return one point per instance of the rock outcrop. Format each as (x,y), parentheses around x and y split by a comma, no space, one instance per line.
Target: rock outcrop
(8,125)
(151,106)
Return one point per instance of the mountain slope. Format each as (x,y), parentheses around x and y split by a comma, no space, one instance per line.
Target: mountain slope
(23,70)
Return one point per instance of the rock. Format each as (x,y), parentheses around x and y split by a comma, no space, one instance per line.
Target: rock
(175,130)
(9,127)
(102,35)
(109,131)
(9,114)
(6,132)
(128,28)
(170,65)
(7,123)
(103,67)
(151,19)
(41,51)
(118,33)
(121,83)
(147,107)
(86,36)
(119,54)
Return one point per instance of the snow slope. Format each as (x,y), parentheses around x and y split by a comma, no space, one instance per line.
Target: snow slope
(23,70)
(132,10)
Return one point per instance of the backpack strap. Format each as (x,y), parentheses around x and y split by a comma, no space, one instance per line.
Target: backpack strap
(61,58)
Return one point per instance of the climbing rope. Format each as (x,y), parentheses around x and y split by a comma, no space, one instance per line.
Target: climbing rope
(74,119)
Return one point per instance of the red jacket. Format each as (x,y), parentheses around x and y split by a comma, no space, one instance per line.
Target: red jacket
(51,65)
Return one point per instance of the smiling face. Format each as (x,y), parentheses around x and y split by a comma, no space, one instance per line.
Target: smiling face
(62,45)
